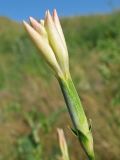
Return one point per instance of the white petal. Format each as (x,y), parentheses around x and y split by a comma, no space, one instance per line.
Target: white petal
(56,43)
(38,27)
(58,26)
(44,47)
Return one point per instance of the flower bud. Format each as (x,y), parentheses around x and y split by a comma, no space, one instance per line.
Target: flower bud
(43,46)
(63,144)
(49,39)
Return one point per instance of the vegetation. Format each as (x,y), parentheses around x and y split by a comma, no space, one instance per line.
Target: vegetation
(26,87)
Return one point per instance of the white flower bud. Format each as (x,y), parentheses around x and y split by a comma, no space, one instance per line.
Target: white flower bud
(49,39)
(44,47)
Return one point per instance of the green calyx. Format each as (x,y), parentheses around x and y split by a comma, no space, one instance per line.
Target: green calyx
(78,117)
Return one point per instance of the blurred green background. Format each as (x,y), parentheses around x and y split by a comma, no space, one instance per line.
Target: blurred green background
(31,103)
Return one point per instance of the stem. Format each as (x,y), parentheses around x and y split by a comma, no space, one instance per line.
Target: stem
(78,117)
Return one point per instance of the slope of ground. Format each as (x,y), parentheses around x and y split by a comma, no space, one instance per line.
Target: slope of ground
(26,85)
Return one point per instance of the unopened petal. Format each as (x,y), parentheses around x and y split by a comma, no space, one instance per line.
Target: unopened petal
(44,47)
(58,26)
(56,43)
(38,27)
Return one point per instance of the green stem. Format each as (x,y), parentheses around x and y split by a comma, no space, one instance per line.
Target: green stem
(77,114)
